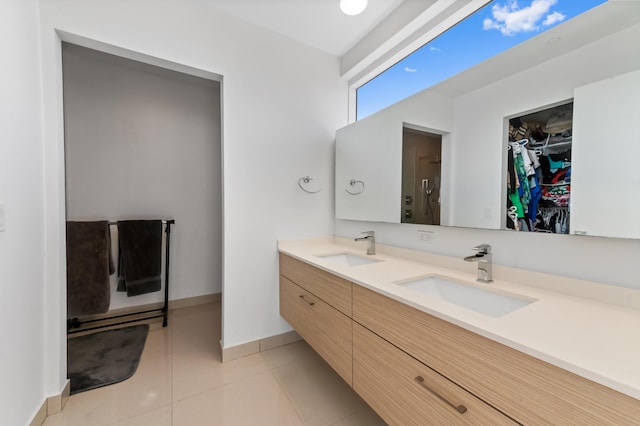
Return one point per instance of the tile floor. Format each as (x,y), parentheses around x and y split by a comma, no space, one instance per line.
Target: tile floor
(181,382)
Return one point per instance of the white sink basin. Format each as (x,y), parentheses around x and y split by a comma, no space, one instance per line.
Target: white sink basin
(477,299)
(348,259)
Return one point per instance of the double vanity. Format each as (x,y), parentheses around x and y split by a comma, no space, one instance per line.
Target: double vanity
(422,342)
(431,339)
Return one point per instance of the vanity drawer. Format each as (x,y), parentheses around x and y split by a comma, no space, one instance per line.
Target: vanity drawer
(404,391)
(328,331)
(525,388)
(328,287)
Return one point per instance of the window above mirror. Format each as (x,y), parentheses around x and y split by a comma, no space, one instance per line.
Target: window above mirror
(492,29)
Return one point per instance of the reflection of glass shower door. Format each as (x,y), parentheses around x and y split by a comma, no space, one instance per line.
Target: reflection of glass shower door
(428,173)
(421,171)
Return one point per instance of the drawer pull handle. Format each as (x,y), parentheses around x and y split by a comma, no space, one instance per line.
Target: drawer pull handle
(309,303)
(460,408)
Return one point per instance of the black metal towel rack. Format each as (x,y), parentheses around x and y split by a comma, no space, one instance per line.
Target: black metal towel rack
(74,323)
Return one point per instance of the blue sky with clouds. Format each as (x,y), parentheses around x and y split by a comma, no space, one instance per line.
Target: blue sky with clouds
(496,27)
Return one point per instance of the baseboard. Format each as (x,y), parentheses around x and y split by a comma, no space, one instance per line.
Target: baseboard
(279,340)
(239,351)
(56,403)
(188,302)
(40,416)
(52,405)
(260,345)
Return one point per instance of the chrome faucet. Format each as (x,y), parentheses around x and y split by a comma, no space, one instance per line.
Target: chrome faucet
(483,257)
(369,236)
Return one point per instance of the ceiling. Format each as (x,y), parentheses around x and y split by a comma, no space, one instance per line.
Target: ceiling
(367,44)
(317,23)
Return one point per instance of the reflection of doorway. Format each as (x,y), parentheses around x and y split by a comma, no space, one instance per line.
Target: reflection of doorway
(538,172)
(421,177)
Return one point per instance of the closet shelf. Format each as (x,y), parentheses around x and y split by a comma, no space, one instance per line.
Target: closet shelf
(555,184)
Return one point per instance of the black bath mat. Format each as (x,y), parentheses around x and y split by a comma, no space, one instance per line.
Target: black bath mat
(104,358)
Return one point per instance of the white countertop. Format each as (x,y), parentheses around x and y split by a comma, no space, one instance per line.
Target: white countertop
(598,341)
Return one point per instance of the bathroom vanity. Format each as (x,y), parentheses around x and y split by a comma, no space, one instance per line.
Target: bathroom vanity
(420,350)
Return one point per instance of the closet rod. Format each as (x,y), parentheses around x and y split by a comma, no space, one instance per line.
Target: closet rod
(555,184)
(549,145)
(164,222)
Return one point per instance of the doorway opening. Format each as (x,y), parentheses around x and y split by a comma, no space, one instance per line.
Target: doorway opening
(144,142)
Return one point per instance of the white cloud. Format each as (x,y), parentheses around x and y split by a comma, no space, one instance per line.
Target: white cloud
(510,18)
(434,49)
(407,69)
(553,18)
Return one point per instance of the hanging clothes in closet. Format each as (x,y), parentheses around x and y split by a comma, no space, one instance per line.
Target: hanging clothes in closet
(523,185)
(538,177)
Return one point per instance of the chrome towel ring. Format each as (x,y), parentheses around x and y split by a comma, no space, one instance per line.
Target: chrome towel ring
(304,181)
(354,182)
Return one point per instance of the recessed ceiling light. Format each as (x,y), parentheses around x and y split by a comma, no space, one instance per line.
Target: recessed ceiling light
(353,7)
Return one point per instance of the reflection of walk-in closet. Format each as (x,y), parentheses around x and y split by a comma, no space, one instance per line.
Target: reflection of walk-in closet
(421,173)
(539,171)
(143,143)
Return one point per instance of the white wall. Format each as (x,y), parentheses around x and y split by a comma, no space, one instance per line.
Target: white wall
(142,142)
(282,103)
(605,138)
(477,139)
(22,307)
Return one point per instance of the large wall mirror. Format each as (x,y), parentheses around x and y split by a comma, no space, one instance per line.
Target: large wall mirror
(588,66)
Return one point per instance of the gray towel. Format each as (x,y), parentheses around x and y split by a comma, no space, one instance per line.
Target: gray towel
(89,265)
(140,256)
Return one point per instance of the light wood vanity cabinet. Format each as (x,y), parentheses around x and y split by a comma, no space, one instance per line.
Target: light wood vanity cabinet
(414,368)
(307,303)
(404,391)
(332,289)
(526,389)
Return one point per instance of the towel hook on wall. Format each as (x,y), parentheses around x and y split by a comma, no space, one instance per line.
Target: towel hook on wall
(304,181)
(353,182)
